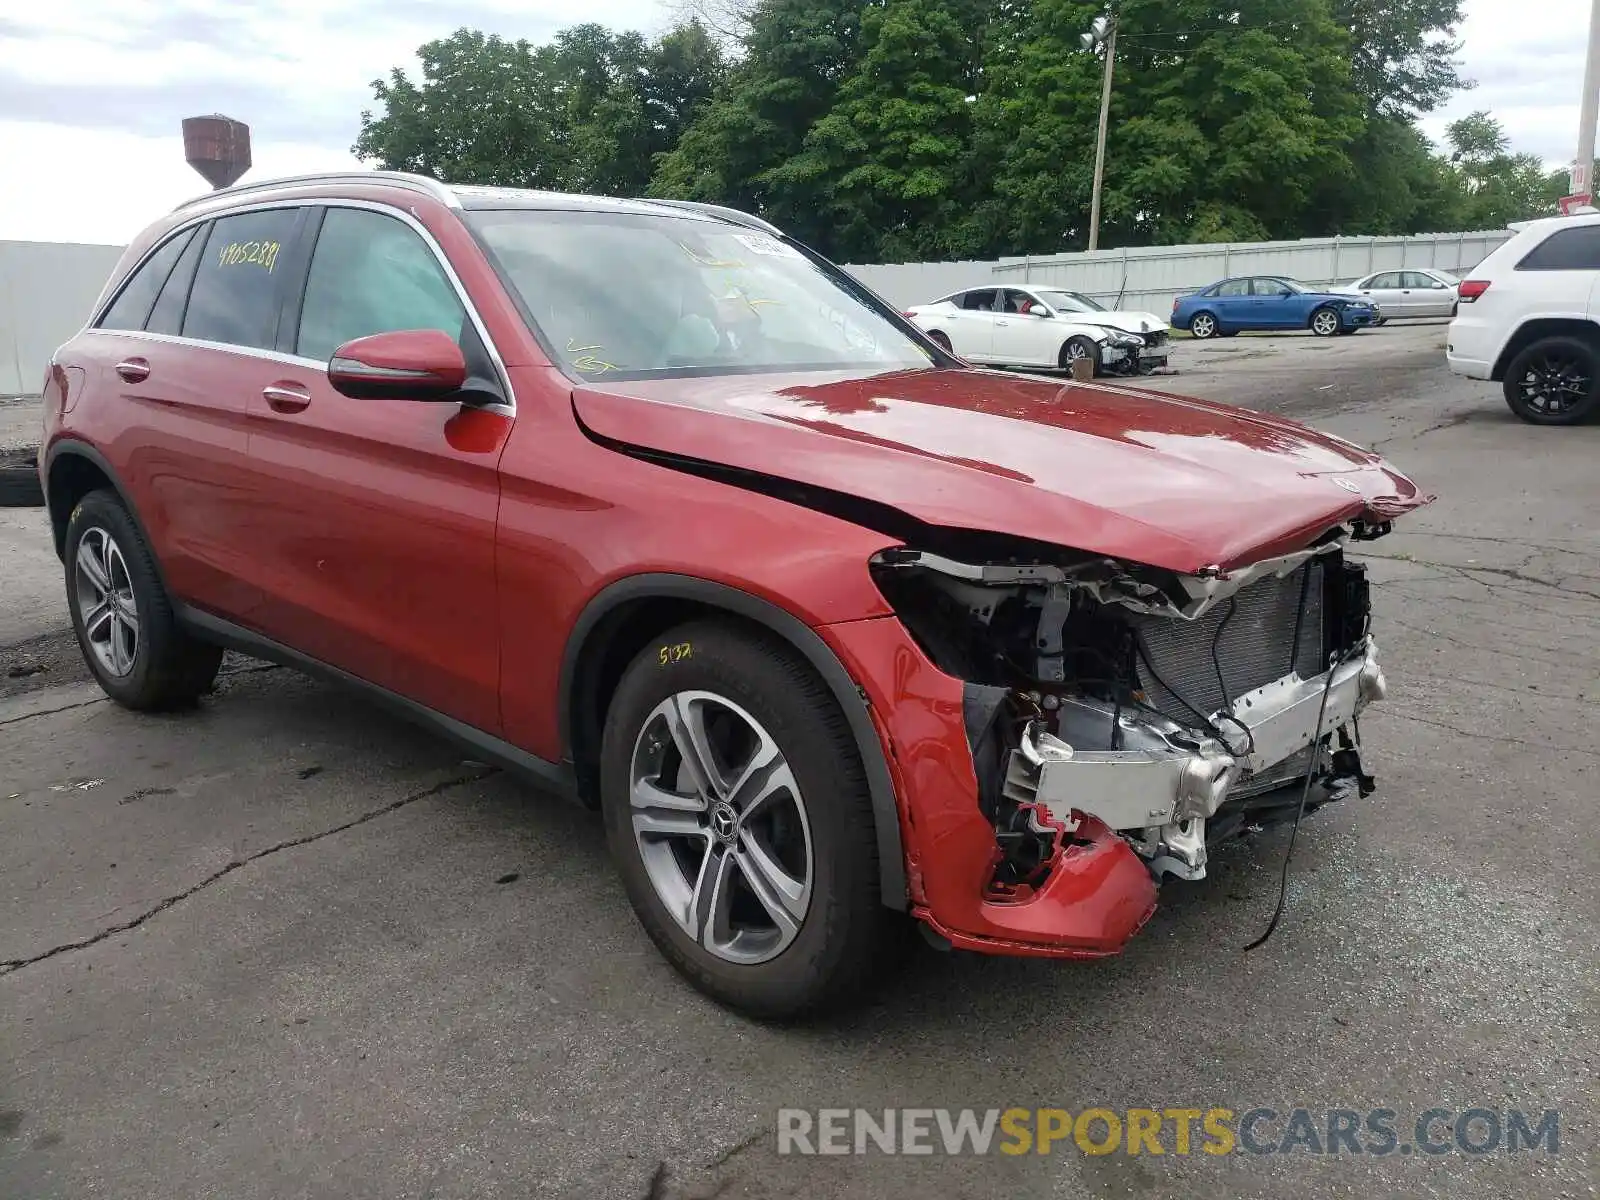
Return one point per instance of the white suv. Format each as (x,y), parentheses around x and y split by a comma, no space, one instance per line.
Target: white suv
(1530,319)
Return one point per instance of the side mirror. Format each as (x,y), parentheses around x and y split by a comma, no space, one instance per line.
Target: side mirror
(1286,292)
(1039,312)
(409,364)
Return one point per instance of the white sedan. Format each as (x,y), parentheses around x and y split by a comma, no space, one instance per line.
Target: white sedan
(1419,292)
(1043,327)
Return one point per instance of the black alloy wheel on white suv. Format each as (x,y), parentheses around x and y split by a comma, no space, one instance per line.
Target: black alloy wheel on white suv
(1554,381)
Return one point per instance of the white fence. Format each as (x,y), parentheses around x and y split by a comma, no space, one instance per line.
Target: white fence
(46,292)
(1150,277)
(47,288)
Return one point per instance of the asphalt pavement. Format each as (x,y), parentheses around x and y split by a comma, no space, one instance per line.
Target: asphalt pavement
(285,946)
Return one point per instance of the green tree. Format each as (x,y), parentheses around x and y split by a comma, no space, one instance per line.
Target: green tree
(588,112)
(1497,186)
(796,55)
(892,129)
(1402,52)
(886,166)
(479,115)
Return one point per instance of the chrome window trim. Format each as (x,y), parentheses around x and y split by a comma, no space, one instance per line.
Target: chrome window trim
(503,376)
(173,339)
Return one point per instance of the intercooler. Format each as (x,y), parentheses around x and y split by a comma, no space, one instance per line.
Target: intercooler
(1245,642)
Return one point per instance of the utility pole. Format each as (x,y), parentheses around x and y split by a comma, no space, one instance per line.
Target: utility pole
(1105,29)
(1583,166)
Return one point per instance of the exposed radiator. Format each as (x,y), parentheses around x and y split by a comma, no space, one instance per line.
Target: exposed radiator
(1254,647)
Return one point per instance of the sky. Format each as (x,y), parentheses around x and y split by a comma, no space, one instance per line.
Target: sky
(92,91)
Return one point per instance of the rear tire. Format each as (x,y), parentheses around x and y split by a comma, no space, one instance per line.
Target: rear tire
(1203,325)
(741,693)
(1554,381)
(943,342)
(126,627)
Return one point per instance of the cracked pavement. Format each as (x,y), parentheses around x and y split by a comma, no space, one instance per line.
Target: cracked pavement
(285,946)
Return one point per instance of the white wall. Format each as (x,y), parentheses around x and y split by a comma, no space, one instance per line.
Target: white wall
(1150,277)
(46,292)
(48,288)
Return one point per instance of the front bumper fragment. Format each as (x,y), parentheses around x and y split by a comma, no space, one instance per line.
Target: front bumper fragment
(1165,781)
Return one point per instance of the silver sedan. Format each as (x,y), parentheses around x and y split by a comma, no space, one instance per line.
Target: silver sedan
(1418,292)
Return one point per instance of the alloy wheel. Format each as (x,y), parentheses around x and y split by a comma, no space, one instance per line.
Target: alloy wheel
(106,605)
(721,827)
(1203,326)
(1325,323)
(1554,383)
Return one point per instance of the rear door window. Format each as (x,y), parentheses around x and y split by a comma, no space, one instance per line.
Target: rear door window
(978,301)
(132,306)
(1576,249)
(371,273)
(1234,287)
(1385,282)
(237,285)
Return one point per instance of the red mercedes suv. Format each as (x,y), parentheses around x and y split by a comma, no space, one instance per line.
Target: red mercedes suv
(655,505)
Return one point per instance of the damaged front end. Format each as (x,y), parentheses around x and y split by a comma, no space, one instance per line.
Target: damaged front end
(1170,711)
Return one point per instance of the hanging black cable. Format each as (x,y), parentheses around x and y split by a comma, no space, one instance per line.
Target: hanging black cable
(1299,812)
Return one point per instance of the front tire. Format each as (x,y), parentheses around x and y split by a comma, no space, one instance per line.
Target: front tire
(1325,322)
(1075,349)
(126,627)
(1202,326)
(1554,381)
(738,813)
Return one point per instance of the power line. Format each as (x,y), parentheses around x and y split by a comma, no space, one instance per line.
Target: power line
(1210,29)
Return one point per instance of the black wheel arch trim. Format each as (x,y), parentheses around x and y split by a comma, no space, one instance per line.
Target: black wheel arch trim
(73,448)
(1539,329)
(851,699)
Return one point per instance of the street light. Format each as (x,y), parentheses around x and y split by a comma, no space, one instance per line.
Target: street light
(1103,30)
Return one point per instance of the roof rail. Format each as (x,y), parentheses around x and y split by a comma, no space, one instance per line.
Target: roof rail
(732,215)
(420,183)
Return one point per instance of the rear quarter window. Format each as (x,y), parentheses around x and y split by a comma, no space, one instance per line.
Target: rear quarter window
(1576,249)
(131,309)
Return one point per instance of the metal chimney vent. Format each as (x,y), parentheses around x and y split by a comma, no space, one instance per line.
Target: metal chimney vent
(218,147)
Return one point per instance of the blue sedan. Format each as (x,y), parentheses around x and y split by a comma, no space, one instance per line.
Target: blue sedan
(1266,302)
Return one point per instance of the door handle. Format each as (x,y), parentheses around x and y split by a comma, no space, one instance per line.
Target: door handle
(286,398)
(1002,322)
(133,370)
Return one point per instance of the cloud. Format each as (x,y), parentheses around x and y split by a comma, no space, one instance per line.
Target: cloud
(1527,58)
(295,70)
(160,109)
(109,81)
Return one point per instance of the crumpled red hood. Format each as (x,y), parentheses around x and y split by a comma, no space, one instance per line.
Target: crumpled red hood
(1168,481)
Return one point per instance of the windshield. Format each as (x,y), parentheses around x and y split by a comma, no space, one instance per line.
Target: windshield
(1071,302)
(623,295)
